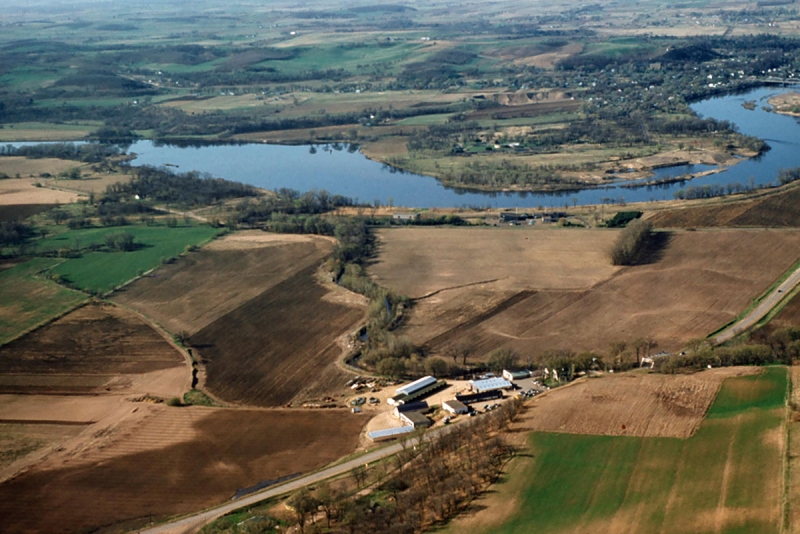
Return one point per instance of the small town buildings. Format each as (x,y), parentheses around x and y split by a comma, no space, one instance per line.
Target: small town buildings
(455,407)
(489,384)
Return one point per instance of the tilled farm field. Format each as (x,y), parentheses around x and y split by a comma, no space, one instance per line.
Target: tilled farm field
(96,339)
(197,289)
(279,347)
(630,404)
(702,280)
(770,210)
(263,325)
(176,461)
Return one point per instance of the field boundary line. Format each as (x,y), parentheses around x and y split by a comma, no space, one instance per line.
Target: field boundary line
(436,292)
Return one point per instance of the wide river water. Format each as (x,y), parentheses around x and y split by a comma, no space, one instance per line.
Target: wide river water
(352,174)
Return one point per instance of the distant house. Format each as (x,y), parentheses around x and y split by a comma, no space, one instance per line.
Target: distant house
(405,216)
(455,407)
(507,217)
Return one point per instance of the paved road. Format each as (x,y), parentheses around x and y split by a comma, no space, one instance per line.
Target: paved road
(194,522)
(763,308)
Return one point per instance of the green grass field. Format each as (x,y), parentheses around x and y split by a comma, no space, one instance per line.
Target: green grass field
(28,299)
(726,478)
(102,270)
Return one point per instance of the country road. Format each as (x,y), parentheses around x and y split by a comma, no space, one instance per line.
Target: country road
(763,308)
(195,522)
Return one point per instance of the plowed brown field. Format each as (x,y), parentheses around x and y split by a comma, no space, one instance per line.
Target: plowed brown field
(771,210)
(97,339)
(279,346)
(456,275)
(203,286)
(702,281)
(178,461)
(630,404)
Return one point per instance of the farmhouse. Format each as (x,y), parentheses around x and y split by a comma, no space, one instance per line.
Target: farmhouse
(516,375)
(489,384)
(455,407)
(405,216)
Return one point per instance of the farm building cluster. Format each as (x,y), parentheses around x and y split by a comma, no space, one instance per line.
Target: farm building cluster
(514,217)
(410,408)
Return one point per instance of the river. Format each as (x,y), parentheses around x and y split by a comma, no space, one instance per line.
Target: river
(340,170)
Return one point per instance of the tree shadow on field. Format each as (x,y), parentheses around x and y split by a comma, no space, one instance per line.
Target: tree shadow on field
(656,248)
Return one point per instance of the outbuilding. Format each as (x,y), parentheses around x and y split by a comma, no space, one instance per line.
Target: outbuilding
(516,375)
(416,385)
(490,384)
(389,433)
(415,419)
(420,406)
(455,407)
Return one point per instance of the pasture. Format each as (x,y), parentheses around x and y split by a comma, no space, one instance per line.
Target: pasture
(700,281)
(104,270)
(28,298)
(173,461)
(725,478)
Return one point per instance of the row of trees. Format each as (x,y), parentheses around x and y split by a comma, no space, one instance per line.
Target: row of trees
(633,243)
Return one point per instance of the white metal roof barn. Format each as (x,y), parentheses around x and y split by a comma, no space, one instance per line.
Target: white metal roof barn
(489,384)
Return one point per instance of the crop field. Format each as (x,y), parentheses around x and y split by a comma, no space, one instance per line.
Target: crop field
(199,288)
(701,281)
(454,275)
(280,346)
(28,298)
(15,191)
(103,271)
(769,210)
(630,404)
(179,460)
(419,261)
(725,478)
(95,339)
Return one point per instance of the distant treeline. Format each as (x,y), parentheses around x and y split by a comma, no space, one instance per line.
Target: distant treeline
(86,152)
(185,189)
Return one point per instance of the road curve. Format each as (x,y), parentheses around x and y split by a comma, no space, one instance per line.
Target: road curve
(763,308)
(195,522)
